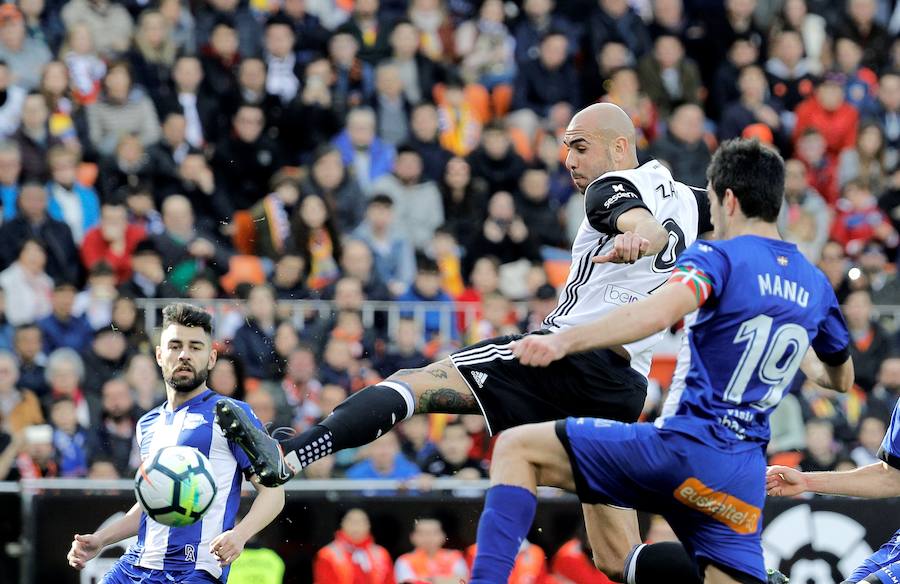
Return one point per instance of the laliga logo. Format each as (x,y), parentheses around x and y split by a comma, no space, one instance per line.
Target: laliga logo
(815,547)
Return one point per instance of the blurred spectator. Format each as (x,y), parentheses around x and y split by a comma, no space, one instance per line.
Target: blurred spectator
(246,161)
(871,434)
(355,553)
(683,148)
(25,56)
(168,154)
(884,286)
(425,139)
(12,103)
(42,23)
(102,468)
(539,18)
(504,235)
(834,265)
(27,345)
(221,57)
(200,109)
(497,319)
(724,25)
(530,565)
(95,302)
(121,109)
(436,21)
(804,218)
(354,80)
(263,406)
(148,279)
(884,395)
(393,255)
(616,21)
(452,457)
(822,453)
(34,139)
(418,73)
(382,460)
(67,121)
(288,277)
(539,307)
(311,37)
(252,90)
(370,28)
(38,457)
(62,328)
(826,111)
(86,68)
(417,202)
(870,343)
(887,114)
(862,28)
(125,319)
(862,83)
(249,32)
(429,560)
(404,352)
(336,185)
(10,172)
(754,106)
(624,90)
(368,156)
(227,377)
(110,24)
(208,195)
(486,47)
(113,433)
(743,52)
(390,105)
(547,79)
(185,248)
(316,238)
(283,70)
(496,161)
(254,342)
(464,197)
(357,262)
(860,221)
(27,282)
(310,120)
(145,380)
(112,241)
(105,359)
(821,167)
(459,121)
(416,443)
(786,426)
(70,201)
(128,166)
(866,161)
(69,439)
(142,210)
(6,329)
(796,15)
(271,217)
(301,389)
(153,54)
(19,406)
(427,288)
(668,77)
(790,74)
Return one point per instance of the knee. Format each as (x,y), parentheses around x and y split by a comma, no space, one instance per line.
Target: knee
(510,443)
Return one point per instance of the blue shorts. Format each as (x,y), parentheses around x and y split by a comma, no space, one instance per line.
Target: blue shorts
(126,573)
(884,563)
(712,499)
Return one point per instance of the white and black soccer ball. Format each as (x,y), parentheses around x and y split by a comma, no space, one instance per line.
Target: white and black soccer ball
(175,486)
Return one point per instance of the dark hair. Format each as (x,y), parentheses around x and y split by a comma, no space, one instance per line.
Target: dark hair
(300,231)
(381,199)
(425,264)
(753,172)
(237,365)
(186,314)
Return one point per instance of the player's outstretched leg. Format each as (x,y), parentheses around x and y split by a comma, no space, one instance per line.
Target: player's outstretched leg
(358,420)
(524,457)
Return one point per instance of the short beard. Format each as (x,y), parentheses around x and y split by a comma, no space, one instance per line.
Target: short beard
(187,385)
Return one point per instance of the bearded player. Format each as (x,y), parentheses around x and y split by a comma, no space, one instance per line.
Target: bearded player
(638,220)
(203,551)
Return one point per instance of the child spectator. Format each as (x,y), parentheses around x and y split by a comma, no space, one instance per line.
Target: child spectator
(427,288)
(860,221)
(86,69)
(69,439)
(430,561)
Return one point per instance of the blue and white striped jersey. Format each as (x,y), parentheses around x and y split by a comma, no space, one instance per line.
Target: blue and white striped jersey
(161,547)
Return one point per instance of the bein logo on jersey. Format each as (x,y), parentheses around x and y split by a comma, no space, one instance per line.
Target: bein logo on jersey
(189,553)
(740,516)
(619,295)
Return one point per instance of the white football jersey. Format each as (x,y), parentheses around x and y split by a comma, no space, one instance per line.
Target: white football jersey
(591,289)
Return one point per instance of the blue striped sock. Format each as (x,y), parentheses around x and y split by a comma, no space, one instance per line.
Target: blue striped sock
(505,521)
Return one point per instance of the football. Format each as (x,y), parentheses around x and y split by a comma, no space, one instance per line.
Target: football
(175,486)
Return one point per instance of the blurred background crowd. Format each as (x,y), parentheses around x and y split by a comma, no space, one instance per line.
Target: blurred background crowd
(397,166)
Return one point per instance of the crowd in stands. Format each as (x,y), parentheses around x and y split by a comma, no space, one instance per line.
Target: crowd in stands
(385,150)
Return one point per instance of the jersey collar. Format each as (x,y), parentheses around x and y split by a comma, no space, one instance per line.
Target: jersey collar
(202,396)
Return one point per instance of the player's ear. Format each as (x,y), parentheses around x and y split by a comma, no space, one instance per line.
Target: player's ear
(730,202)
(159,356)
(213,356)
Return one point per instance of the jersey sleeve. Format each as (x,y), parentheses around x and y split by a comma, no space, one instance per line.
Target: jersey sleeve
(890,447)
(832,342)
(606,199)
(704,269)
(239,455)
(704,218)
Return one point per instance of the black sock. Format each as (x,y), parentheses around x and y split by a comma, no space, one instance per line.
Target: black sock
(356,421)
(660,562)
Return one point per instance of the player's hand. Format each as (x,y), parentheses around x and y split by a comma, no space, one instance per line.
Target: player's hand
(227,547)
(538,350)
(627,248)
(84,548)
(784,481)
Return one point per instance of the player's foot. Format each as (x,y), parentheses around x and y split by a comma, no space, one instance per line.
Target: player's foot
(776,577)
(264,452)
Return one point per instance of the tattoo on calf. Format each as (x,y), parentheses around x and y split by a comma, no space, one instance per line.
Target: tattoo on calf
(438,373)
(447,401)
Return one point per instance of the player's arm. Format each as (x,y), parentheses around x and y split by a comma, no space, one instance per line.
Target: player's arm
(86,547)
(874,481)
(838,377)
(624,325)
(614,206)
(268,504)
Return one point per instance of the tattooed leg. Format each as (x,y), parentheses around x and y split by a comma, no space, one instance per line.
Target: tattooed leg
(439,388)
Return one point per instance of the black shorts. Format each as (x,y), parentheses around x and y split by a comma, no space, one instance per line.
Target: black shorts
(593,384)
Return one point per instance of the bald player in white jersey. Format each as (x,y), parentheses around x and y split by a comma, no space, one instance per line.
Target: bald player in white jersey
(638,219)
